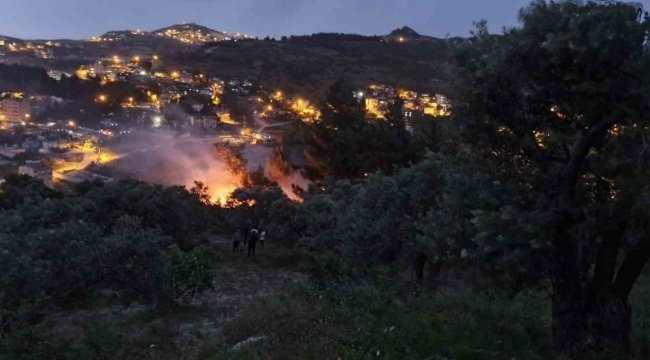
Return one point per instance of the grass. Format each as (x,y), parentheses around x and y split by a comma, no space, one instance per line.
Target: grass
(268,297)
(371,323)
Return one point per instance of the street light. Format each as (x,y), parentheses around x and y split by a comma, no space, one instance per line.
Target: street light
(102,98)
(155,57)
(137,58)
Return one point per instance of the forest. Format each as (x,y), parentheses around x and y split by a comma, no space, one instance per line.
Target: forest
(515,228)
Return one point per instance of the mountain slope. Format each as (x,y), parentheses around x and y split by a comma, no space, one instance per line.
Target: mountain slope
(308,65)
(188,27)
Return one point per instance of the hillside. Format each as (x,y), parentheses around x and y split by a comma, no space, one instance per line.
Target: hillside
(298,64)
(310,63)
(406,32)
(188,27)
(9,39)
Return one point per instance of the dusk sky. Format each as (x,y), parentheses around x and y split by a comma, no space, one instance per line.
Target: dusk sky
(78,19)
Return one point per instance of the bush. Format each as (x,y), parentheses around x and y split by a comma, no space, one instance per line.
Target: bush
(190,273)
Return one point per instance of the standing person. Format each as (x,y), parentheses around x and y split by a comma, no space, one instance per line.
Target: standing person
(235,241)
(252,241)
(262,238)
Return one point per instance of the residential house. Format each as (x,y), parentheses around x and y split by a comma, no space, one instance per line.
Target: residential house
(10,152)
(38,170)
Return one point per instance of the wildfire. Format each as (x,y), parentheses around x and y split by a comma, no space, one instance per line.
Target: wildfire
(219,194)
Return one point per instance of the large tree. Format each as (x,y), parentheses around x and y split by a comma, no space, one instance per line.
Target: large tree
(559,108)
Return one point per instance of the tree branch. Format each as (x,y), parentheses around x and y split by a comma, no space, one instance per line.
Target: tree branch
(606,260)
(571,172)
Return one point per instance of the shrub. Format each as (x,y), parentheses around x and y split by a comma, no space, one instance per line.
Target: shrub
(190,273)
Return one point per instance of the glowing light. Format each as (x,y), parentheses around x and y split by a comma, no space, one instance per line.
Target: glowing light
(155,57)
(360,94)
(102,98)
(137,58)
(269,108)
(71,123)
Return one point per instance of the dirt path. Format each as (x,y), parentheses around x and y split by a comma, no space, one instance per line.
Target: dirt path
(239,282)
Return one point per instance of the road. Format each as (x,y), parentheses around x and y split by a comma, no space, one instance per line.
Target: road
(89,157)
(263,125)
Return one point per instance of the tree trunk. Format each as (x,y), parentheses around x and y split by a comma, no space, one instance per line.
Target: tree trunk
(568,296)
(608,324)
(418,261)
(596,317)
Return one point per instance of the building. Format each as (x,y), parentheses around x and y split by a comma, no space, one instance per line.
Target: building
(10,152)
(442,100)
(55,74)
(206,121)
(55,144)
(185,78)
(38,170)
(372,103)
(264,137)
(79,176)
(31,144)
(14,110)
(97,68)
(431,109)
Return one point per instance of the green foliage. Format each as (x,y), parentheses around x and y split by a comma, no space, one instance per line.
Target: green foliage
(175,210)
(307,65)
(252,207)
(443,207)
(558,109)
(56,249)
(47,268)
(22,189)
(190,273)
(381,323)
(344,143)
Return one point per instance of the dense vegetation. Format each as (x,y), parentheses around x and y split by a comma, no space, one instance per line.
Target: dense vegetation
(520,233)
(124,238)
